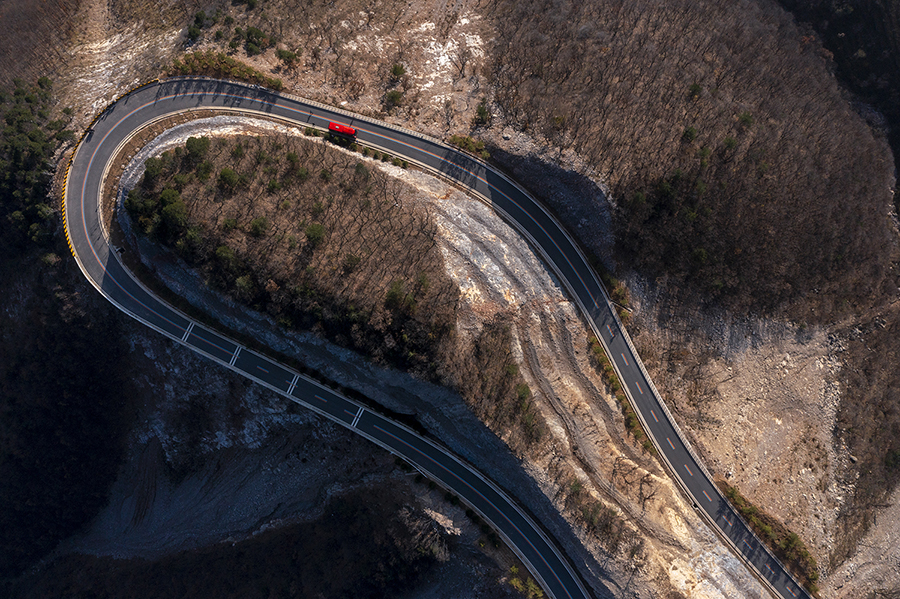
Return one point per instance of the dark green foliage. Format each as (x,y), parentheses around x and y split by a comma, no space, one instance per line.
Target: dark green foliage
(393,98)
(398,299)
(216,64)
(689,135)
(315,234)
(27,142)
(397,72)
(228,179)
(470,145)
(694,91)
(258,226)
(286,56)
(255,40)
(482,113)
(204,170)
(785,544)
(300,259)
(196,148)
(350,262)
(491,382)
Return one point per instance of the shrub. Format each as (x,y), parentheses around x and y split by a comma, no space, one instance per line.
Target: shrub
(225,254)
(258,226)
(694,91)
(482,113)
(315,234)
(174,217)
(689,135)
(397,72)
(286,56)
(350,262)
(523,392)
(470,145)
(217,64)
(228,179)
(244,287)
(153,167)
(746,119)
(196,148)
(393,98)
(204,170)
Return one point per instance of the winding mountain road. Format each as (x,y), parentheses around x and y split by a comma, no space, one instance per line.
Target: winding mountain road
(98,261)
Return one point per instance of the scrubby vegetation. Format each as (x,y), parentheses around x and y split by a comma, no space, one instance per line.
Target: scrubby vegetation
(864,37)
(378,546)
(473,146)
(601,521)
(632,422)
(27,143)
(63,409)
(312,236)
(738,169)
(786,545)
(322,241)
(869,421)
(528,588)
(216,64)
(487,377)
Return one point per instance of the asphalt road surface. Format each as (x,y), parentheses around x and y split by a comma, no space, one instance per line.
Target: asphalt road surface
(98,261)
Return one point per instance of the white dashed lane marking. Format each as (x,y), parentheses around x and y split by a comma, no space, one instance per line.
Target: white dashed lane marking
(293,384)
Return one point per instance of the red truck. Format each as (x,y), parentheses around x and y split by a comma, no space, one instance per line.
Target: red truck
(342,130)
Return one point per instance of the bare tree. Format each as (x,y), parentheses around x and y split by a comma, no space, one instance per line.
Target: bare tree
(460,58)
